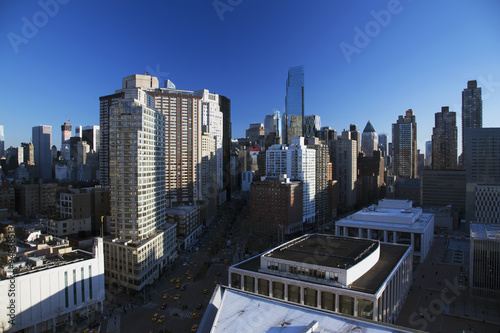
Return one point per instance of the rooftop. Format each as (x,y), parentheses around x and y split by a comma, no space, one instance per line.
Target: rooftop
(181,210)
(370,282)
(331,251)
(243,312)
(485,231)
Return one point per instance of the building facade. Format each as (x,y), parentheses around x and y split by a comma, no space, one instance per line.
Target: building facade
(484,279)
(444,140)
(358,277)
(294,104)
(369,140)
(345,166)
(42,142)
(404,141)
(472,113)
(392,221)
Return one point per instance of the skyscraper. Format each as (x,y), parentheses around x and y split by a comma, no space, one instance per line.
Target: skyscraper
(225,108)
(65,136)
(404,140)
(353,129)
(91,135)
(2,141)
(369,140)
(472,113)
(444,140)
(382,144)
(272,123)
(345,166)
(428,153)
(312,125)
(294,104)
(298,162)
(42,141)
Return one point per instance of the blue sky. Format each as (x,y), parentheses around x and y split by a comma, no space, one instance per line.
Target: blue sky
(419,54)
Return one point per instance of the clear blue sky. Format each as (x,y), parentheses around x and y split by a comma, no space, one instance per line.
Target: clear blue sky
(420,57)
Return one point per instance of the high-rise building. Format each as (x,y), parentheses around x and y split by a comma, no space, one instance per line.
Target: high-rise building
(353,129)
(209,190)
(91,135)
(344,161)
(272,123)
(483,163)
(294,104)
(298,162)
(225,108)
(42,141)
(369,142)
(65,136)
(312,125)
(29,153)
(382,144)
(323,179)
(444,140)
(472,113)
(404,140)
(137,185)
(212,122)
(428,153)
(2,141)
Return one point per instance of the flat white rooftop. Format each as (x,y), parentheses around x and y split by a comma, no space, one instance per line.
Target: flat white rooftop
(389,213)
(485,231)
(243,312)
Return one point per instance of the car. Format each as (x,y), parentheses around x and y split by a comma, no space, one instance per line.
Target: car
(189,277)
(176,297)
(188,272)
(225,261)
(165,296)
(177,286)
(191,262)
(155,317)
(172,280)
(194,328)
(194,315)
(199,306)
(163,306)
(178,280)
(205,291)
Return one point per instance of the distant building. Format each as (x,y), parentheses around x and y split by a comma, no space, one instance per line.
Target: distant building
(312,124)
(404,140)
(298,162)
(344,163)
(428,154)
(392,221)
(358,277)
(369,140)
(294,104)
(370,179)
(276,205)
(272,123)
(472,114)
(42,142)
(444,140)
(484,278)
(382,144)
(34,199)
(7,197)
(256,132)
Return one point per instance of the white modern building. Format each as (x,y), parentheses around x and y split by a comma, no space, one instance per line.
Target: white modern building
(211,122)
(298,162)
(42,292)
(359,277)
(484,279)
(392,221)
(233,310)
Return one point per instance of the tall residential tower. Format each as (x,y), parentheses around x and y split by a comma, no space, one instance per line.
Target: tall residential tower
(404,141)
(444,140)
(472,113)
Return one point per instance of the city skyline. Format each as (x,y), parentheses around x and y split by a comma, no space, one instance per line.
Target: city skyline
(356,57)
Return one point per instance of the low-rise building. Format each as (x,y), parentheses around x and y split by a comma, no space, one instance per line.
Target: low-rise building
(188,221)
(359,277)
(392,221)
(42,292)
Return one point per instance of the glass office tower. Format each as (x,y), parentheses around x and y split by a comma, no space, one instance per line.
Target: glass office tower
(294,104)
